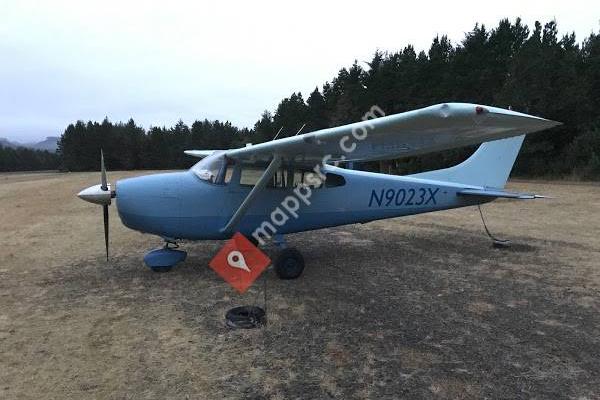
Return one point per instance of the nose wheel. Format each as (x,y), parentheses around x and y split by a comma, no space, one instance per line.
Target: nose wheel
(163,268)
(163,259)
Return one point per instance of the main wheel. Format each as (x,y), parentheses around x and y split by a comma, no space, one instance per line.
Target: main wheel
(289,264)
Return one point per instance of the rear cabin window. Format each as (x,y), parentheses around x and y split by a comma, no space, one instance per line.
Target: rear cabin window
(334,180)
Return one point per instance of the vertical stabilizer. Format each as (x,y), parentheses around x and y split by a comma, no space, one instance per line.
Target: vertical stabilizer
(489,166)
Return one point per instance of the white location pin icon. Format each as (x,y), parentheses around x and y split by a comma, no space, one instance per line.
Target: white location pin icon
(235,259)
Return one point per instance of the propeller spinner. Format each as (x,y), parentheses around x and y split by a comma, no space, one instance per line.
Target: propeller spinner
(100,194)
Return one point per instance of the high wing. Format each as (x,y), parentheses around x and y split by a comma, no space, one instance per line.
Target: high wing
(426,130)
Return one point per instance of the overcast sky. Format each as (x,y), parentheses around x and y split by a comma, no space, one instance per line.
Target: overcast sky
(159,62)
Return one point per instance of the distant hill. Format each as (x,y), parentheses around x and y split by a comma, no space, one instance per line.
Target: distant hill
(4,142)
(50,144)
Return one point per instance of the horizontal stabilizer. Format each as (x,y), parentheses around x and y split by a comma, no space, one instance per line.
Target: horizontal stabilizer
(499,194)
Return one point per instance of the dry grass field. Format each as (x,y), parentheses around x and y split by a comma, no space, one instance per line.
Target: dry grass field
(419,307)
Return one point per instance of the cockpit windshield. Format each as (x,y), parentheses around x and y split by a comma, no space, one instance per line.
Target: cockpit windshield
(209,169)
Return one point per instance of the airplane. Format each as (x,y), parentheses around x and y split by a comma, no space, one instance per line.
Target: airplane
(294,184)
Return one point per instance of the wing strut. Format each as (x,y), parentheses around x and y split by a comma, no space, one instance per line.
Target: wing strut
(262,182)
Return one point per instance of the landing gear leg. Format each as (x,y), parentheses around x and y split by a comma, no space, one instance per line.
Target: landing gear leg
(163,259)
(289,263)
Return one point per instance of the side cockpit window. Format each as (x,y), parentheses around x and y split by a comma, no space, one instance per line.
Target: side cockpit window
(215,169)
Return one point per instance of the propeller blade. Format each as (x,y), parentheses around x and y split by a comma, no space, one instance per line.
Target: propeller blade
(103,172)
(105,209)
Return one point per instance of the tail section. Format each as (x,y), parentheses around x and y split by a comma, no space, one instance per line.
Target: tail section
(489,166)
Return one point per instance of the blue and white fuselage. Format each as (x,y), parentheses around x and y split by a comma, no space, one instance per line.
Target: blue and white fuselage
(180,205)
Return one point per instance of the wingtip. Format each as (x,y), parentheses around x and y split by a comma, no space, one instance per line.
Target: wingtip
(549,124)
(555,123)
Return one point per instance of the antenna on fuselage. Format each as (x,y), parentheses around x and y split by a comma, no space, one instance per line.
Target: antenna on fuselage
(496,242)
(300,130)
(278,132)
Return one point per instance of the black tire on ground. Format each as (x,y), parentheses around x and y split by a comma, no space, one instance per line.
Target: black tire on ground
(245,317)
(289,264)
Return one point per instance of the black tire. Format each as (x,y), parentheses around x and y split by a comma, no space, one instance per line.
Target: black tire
(245,317)
(162,269)
(289,264)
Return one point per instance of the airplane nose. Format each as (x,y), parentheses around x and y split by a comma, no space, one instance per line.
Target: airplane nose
(95,194)
(151,203)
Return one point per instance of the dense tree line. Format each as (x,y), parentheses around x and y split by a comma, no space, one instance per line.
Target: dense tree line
(128,146)
(23,159)
(532,70)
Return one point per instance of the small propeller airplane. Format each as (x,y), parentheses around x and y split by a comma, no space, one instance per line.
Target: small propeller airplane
(289,185)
